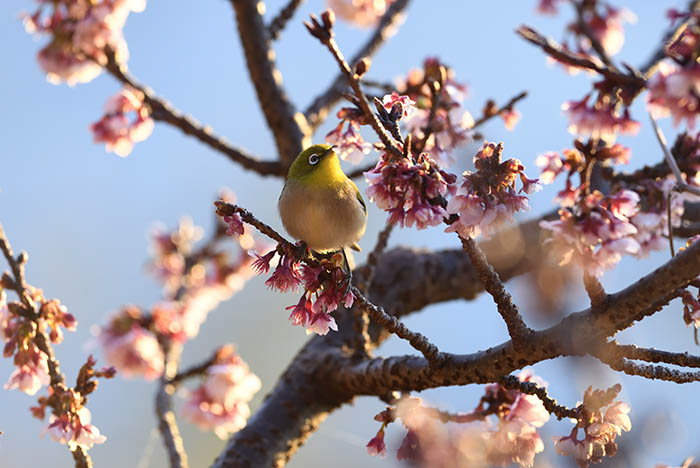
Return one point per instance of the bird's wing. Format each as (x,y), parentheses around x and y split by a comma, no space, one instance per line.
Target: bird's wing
(359,197)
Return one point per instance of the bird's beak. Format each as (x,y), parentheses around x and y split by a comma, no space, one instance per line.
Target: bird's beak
(328,151)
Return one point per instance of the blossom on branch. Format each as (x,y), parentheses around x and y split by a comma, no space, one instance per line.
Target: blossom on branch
(75,430)
(221,402)
(673,90)
(600,428)
(82,32)
(411,189)
(487,198)
(600,120)
(116,130)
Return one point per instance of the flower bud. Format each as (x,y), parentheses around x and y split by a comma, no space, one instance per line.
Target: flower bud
(362,66)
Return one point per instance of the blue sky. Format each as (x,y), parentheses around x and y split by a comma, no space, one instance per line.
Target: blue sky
(83,214)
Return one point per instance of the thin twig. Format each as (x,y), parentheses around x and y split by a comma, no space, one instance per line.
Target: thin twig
(167,423)
(586,30)
(647,371)
(512,382)
(317,111)
(57,379)
(505,107)
(393,325)
(681,185)
(561,54)
(280,21)
(517,329)
(361,170)
(163,111)
(651,355)
(367,274)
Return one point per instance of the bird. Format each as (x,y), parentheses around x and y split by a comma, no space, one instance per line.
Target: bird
(320,205)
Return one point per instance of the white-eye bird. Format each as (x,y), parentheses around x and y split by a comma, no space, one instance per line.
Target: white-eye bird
(320,205)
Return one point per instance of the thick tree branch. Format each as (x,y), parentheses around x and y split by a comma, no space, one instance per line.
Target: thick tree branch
(388,24)
(163,111)
(289,127)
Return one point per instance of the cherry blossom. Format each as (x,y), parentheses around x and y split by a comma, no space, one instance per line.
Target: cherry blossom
(673,90)
(597,235)
(80,31)
(691,309)
(130,347)
(410,189)
(349,144)
(600,429)
(221,402)
(75,430)
(600,120)
(487,198)
(361,13)
(116,130)
(376,445)
(32,372)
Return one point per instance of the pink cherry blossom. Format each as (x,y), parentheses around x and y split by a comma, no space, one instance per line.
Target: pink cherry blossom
(407,104)
(349,144)
(116,130)
(691,309)
(600,120)
(487,198)
(75,431)
(510,117)
(221,402)
(376,445)
(409,189)
(362,13)
(234,225)
(547,7)
(673,90)
(32,371)
(129,347)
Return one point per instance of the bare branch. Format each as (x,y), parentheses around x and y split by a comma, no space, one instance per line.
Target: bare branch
(517,329)
(280,21)
(163,111)
(388,24)
(164,407)
(505,107)
(289,127)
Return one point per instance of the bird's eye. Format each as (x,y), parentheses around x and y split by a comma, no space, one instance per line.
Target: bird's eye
(314,159)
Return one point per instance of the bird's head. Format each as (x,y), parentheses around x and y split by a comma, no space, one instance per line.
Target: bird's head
(316,162)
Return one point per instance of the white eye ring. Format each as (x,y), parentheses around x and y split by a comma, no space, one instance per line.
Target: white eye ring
(314,159)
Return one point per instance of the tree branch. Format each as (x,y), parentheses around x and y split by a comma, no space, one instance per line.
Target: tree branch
(163,111)
(280,21)
(317,111)
(289,127)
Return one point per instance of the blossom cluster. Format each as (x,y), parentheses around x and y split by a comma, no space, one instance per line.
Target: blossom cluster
(602,421)
(487,198)
(81,31)
(325,287)
(600,19)
(411,189)
(115,129)
(593,230)
(194,284)
(20,334)
(349,143)
(220,403)
(361,13)
(601,120)
(70,421)
(502,430)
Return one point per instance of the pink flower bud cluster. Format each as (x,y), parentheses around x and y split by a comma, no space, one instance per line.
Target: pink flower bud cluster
(116,129)
(411,189)
(451,125)
(20,334)
(80,32)
(600,425)
(487,198)
(362,13)
(508,437)
(349,143)
(601,120)
(220,403)
(691,309)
